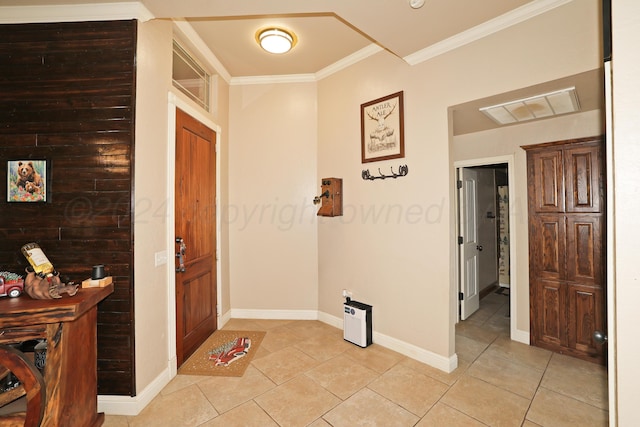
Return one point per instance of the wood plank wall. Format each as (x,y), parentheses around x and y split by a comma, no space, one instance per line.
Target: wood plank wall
(67,95)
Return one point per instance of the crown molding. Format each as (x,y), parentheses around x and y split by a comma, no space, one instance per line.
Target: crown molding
(74,13)
(341,64)
(348,61)
(275,79)
(502,22)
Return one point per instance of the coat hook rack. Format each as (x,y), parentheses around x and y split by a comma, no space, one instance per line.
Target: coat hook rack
(403,170)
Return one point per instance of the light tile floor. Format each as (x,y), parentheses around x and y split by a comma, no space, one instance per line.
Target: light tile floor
(305,374)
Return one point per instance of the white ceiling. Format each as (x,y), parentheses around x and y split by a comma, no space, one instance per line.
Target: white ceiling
(327,30)
(330,32)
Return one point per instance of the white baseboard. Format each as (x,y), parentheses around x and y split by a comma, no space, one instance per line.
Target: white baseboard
(126,405)
(521,336)
(224,319)
(334,321)
(446,364)
(238,313)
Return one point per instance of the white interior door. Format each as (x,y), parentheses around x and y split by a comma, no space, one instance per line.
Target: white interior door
(469,245)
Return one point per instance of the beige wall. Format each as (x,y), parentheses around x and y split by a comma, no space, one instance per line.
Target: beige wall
(390,249)
(626,149)
(153,82)
(221,117)
(403,265)
(270,215)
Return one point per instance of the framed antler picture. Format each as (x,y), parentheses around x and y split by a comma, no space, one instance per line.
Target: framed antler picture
(382,128)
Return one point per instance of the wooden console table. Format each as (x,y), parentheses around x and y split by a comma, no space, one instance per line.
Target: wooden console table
(70,373)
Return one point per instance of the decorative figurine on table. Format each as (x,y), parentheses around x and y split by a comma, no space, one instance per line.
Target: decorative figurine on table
(11,284)
(42,281)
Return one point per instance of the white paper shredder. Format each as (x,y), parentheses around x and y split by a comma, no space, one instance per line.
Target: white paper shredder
(357,323)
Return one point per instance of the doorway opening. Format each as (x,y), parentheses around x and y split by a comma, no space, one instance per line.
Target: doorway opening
(485,255)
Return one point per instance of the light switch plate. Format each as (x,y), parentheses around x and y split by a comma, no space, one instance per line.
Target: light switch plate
(161,258)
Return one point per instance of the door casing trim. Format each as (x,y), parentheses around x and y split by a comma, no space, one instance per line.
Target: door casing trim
(516,334)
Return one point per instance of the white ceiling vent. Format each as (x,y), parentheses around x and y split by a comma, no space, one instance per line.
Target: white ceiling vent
(535,107)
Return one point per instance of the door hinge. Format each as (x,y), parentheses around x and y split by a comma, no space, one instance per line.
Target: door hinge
(460,296)
(459,184)
(460,240)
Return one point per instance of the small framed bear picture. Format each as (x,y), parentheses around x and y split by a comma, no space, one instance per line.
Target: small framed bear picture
(27,181)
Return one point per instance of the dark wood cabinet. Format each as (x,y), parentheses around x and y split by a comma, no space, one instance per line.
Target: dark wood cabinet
(70,374)
(566,246)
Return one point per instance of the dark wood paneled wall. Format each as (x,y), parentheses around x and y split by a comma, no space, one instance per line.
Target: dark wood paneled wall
(67,94)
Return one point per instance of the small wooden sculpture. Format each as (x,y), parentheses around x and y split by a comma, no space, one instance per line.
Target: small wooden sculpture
(47,287)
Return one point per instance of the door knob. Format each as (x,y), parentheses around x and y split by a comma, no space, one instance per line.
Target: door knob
(479,247)
(600,337)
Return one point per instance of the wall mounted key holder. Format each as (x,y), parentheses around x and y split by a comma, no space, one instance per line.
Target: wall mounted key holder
(403,170)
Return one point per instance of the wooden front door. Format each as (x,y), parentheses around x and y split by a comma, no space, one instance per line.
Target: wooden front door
(566,247)
(195,230)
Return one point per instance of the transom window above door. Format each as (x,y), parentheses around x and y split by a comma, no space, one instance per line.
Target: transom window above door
(190,77)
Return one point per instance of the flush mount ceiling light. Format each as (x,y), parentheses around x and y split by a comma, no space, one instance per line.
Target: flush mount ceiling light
(276,40)
(535,107)
(416,4)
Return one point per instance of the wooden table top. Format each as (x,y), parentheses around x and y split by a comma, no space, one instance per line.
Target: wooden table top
(24,310)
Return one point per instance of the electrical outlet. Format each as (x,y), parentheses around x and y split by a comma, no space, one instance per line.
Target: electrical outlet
(346,293)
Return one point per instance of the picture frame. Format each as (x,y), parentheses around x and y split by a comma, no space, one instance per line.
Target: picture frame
(382,128)
(28,181)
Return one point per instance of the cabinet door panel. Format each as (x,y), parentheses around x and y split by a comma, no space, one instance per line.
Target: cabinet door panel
(586,308)
(583,173)
(584,249)
(548,317)
(547,246)
(545,173)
